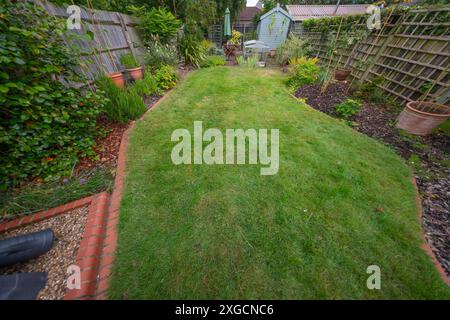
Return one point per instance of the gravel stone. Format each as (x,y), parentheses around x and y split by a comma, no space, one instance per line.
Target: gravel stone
(68,229)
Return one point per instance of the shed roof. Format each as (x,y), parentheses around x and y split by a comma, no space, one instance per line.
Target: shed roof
(303,12)
(248,13)
(276,9)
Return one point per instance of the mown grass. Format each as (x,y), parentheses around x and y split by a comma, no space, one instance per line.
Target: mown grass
(339,203)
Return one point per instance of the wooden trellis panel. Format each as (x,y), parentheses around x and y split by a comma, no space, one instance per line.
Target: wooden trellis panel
(215,34)
(409,55)
(114,35)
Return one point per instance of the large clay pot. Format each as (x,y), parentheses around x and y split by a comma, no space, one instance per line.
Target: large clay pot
(136,73)
(342,74)
(117,78)
(421,118)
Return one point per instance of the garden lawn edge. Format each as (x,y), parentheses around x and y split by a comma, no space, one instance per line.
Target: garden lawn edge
(110,242)
(421,232)
(427,248)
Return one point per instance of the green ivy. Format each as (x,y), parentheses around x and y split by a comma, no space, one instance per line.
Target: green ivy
(45,126)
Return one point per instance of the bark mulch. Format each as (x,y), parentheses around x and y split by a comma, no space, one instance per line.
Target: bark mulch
(106,148)
(432,153)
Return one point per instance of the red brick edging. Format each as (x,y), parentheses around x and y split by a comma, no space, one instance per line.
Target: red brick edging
(110,243)
(89,250)
(96,252)
(425,245)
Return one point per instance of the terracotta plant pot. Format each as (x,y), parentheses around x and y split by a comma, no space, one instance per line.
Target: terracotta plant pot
(117,78)
(136,73)
(342,74)
(421,118)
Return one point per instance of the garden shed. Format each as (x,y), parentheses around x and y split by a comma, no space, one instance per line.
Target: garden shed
(274,27)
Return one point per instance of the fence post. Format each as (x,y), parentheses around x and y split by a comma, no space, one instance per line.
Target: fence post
(123,27)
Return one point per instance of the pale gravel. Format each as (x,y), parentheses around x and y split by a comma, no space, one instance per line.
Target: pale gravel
(68,229)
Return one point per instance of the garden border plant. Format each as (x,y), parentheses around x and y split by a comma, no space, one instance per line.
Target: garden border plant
(45,125)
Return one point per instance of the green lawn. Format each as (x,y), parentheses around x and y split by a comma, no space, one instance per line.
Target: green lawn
(226,232)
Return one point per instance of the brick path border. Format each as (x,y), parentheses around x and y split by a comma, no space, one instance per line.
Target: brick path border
(91,243)
(96,252)
(110,243)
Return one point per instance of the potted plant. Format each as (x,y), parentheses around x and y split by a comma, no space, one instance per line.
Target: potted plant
(135,70)
(420,117)
(117,78)
(347,41)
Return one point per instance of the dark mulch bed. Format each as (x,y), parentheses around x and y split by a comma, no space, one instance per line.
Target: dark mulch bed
(433,152)
(106,148)
(151,101)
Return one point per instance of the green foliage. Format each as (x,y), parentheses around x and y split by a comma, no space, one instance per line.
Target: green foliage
(330,24)
(38,197)
(348,108)
(124,104)
(213,61)
(157,22)
(192,50)
(45,126)
(236,38)
(147,86)
(166,78)
(159,54)
(370,91)
(292,48)
(250,62)
(129,61)
(303,71)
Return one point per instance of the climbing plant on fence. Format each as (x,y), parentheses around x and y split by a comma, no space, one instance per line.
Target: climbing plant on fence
(45,126)
(409,53)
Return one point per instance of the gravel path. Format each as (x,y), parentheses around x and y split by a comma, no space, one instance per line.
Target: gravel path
(68,229)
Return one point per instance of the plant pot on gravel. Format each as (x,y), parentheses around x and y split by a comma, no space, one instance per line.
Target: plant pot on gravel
(117,78)
(420,118)
(342,74)
(135,71)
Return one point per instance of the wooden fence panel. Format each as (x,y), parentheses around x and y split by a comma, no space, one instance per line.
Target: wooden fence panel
(113,35)
(410,55)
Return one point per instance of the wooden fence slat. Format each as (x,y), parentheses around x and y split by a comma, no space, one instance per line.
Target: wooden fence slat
(413,50)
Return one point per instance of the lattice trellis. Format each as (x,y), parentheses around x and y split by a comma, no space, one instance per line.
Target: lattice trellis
(410,54)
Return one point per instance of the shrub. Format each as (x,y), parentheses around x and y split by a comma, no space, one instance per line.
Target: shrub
(213,61)
(370,91)
(159,54)
(348,108)
(211,48)
(147,86)
(166,77)
(292,48)
(45,126)
(124,104)
(129,61)
(250,62)
(157,22)
(236,37)
(192,50)
(304,71)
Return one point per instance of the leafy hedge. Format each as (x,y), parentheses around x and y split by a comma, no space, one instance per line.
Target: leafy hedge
(157,22)
(45,126)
